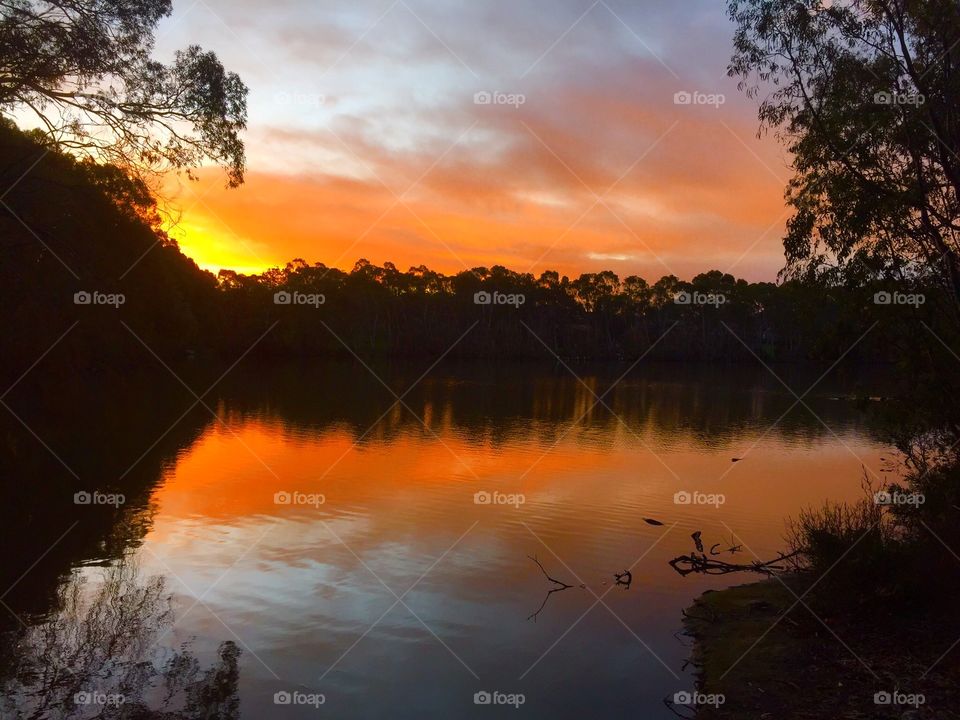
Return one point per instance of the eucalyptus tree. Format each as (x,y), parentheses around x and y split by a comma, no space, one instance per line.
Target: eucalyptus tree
(84,71)
(866,95)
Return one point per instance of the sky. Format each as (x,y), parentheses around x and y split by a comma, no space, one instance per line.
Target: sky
(538,134)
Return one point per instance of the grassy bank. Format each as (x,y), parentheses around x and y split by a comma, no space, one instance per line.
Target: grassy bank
(771,663)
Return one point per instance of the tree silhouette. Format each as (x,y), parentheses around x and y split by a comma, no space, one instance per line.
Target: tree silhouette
(866,95)
(84,70)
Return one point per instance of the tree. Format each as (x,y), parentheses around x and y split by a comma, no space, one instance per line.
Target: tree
(866,94)
(638,292)
(84,70)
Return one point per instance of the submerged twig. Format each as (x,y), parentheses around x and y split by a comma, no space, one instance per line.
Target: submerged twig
(697,540)
(700,563)
(560,587)
(563,585)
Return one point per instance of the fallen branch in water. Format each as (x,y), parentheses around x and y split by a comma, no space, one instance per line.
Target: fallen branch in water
(559,583)
(697,540)
(563,585)
(732,549)
(701,563)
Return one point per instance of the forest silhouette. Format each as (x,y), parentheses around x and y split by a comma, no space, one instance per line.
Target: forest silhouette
(106,242)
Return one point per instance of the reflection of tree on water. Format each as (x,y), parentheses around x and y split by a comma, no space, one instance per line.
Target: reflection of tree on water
(101,646)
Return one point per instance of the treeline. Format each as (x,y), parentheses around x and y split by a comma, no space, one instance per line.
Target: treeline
(82,249)
(382,310)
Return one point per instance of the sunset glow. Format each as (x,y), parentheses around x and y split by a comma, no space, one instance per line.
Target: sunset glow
(363,145)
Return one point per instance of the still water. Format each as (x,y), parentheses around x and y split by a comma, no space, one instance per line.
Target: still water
(298,544)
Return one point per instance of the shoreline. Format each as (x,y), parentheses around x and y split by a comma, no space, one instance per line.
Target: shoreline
(767,660)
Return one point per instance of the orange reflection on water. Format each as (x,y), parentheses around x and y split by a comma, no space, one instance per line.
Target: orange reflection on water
(589,477)
(313,589)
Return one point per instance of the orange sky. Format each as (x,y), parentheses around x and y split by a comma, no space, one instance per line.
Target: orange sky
(369,143)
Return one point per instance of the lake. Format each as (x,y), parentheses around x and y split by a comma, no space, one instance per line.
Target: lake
(300,544)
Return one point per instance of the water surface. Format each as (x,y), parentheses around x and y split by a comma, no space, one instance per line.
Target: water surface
(301,531)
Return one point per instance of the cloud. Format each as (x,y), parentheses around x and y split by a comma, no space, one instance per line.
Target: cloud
(597,165)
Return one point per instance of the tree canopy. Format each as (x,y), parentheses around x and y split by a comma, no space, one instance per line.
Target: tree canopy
(84,69)
(865,94)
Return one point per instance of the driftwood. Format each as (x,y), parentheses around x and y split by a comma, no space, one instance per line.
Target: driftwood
(702,563)
(696,562)
(563,585)
(559,583)
(697,541)
(732,549)
(623,580)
